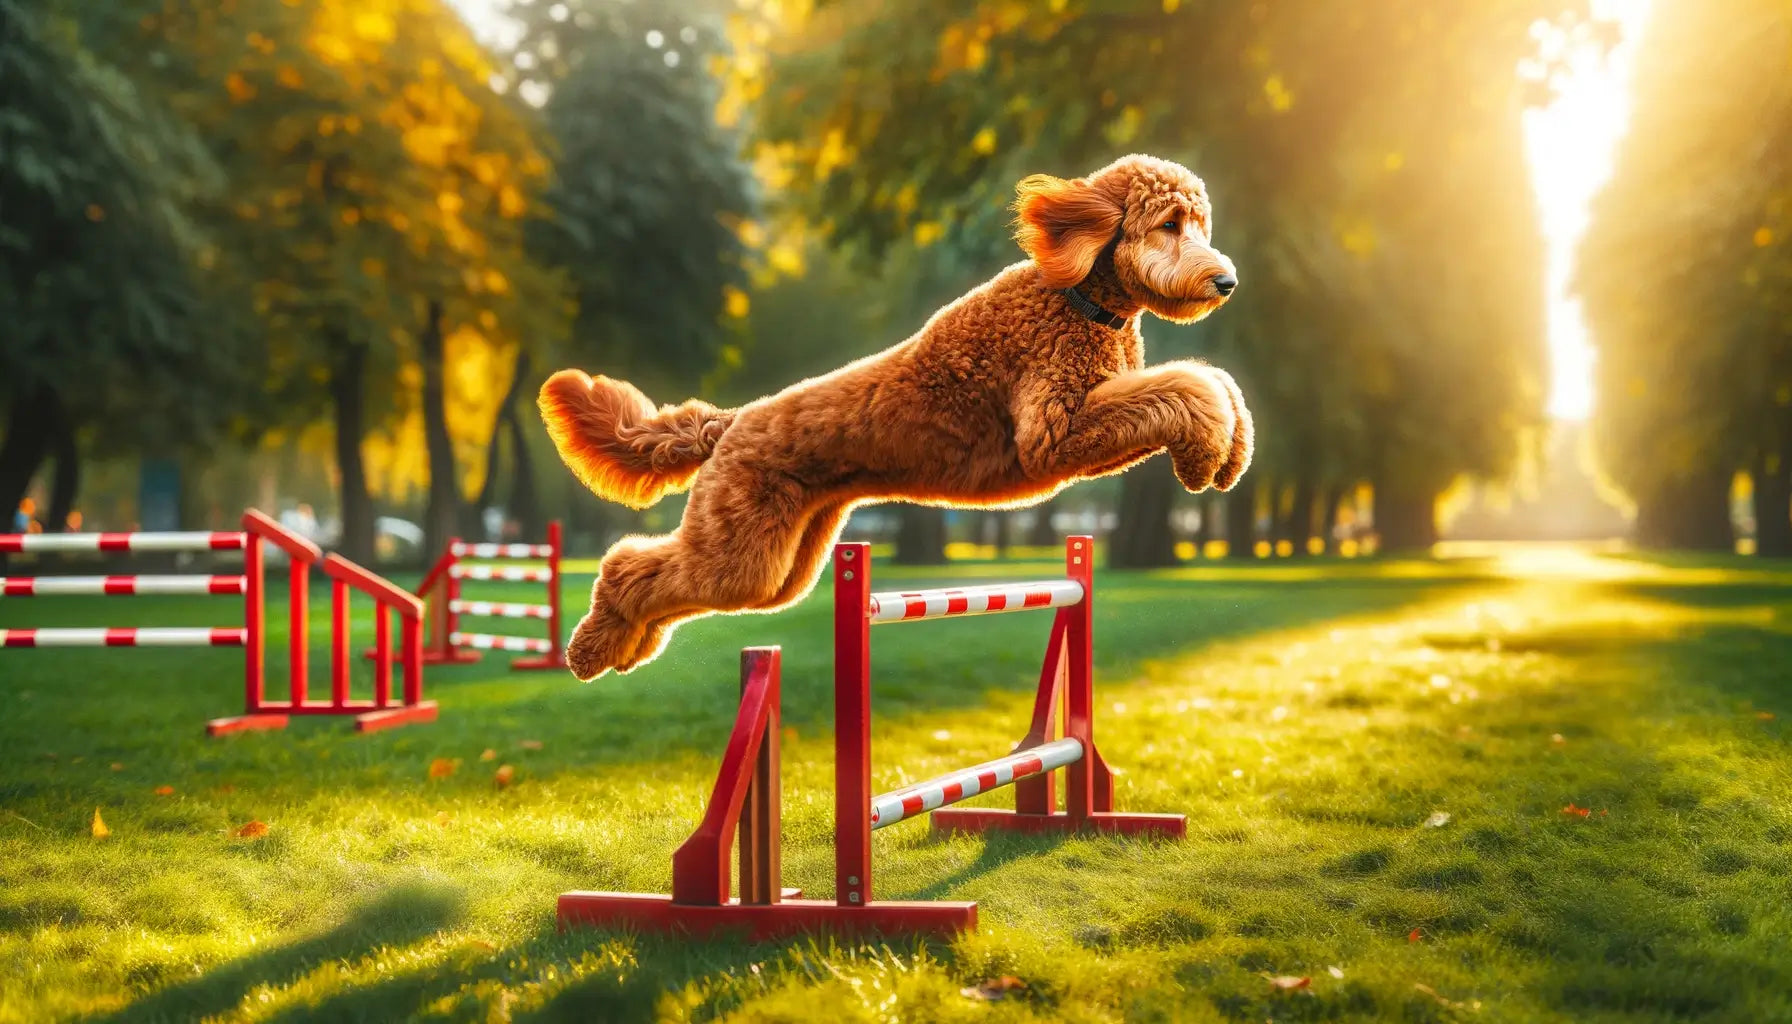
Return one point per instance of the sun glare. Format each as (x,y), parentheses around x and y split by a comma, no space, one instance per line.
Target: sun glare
(1570,148)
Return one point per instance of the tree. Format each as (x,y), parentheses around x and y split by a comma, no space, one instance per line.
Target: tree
(101,281)
(1364,157)
(378,189)
(1686,273)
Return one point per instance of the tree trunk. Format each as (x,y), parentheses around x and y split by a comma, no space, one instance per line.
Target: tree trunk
(1299,530)
(1331,495)
(1041,534)
(347,384)
(1405,520)
(28,429)
(1693,515)
(1004,532)
(65,485)
(1773,507)
(921,536)
(1142,538)
(441,517)
(1241,520)
(524,504)
(506,420)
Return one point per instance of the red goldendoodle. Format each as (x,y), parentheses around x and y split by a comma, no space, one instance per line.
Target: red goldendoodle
(1028,383)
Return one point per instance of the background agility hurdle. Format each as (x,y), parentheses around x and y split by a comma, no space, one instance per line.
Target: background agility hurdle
(746,794)
(250,584)
(449,643)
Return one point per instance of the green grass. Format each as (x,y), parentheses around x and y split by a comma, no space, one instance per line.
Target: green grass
(1308,718)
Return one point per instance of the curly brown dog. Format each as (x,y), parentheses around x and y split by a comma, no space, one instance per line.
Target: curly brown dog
(1030,382)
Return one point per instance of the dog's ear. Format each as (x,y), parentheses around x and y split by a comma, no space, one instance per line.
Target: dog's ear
(1064,226)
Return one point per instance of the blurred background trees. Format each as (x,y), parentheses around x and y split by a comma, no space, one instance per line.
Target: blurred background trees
(1687,278)
(322,251)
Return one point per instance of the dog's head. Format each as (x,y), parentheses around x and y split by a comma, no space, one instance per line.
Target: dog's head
(1155,216)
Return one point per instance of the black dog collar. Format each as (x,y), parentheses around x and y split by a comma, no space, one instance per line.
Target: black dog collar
(1079,302)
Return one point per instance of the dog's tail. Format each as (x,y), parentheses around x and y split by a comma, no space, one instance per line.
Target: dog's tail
(619,445)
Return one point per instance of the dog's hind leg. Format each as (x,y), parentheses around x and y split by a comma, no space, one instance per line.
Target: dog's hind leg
(733,552)
(812,551)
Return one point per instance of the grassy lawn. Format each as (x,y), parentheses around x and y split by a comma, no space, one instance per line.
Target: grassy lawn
(1538,785)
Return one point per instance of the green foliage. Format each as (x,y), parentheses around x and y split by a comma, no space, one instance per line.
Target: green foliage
(1686,270)
(101,289)
(649,195)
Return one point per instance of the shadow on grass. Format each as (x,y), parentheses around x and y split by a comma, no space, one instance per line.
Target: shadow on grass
(399,917)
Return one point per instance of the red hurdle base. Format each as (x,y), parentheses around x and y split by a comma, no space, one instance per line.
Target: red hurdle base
(650,912)
(371,719)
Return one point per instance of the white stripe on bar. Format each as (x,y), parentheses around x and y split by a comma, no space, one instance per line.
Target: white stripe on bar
(192,540)
(502,610)
(890,808)
(464,550)
(900,606)
(164,636)
(515,574)
(36,586)
(488,641)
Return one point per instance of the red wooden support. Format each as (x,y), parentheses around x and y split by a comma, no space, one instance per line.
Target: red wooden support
(852,724)
(382,661)
(700,866)
(254,648)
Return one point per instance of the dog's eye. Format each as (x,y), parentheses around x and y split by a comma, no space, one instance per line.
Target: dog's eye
(1170,225)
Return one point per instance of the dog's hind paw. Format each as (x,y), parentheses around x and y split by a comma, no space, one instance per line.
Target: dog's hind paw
(602,641)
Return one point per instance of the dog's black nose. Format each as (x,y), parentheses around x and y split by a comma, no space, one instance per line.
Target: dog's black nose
(1224,284)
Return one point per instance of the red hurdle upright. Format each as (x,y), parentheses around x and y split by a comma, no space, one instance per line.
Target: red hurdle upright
(258,529)
(441,588)
(700,901)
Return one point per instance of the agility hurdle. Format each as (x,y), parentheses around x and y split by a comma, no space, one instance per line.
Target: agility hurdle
(257,530)
(700,901)
(441,589)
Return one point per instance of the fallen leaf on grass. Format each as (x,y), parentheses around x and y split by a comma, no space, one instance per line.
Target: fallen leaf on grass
(503,775)
(1336,972)
(1438,820)
(442,767)
(994,989)
(164,790)
(117,766)
(1558,740)
(444,819)
(531,744)
(249,830)
(1579,812)
(1412,936)
(100,831)
(488,754)
(1765,716)
(1288,982)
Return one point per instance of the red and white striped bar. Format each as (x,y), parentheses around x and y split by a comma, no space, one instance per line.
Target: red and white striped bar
(197,540)
(490,642)
(43,586)
(163,636)
(911,606)
(890,808)
(514,574)
(462,549)
(502,610)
